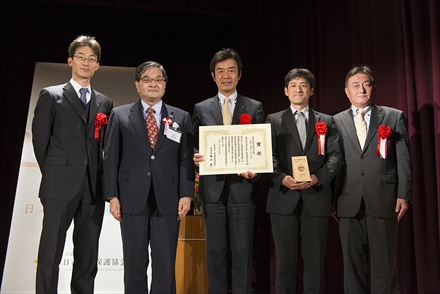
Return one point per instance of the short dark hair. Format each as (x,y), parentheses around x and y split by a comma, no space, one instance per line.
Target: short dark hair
(147,65)
(86,41)
(225,54)
(300,73)
(364,69)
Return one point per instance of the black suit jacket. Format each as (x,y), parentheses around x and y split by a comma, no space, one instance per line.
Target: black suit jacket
(131,166)
(64,142)
(207,113)
(379,182)
(285,144)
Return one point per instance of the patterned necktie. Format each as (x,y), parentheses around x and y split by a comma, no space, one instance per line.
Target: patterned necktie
(301,126)
(151,127)
(361,128)
(83,97)
(227,118)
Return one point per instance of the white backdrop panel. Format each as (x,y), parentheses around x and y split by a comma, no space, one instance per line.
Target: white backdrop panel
(21,259)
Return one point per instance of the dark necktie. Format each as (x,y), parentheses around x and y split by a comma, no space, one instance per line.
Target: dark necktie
(83,97)
(151,127)
(301,126)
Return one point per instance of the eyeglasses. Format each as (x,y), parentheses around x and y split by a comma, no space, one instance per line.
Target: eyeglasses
(83,58)
(148,80)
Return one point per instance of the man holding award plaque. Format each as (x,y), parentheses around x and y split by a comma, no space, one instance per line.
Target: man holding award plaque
(306,157)
(227,199)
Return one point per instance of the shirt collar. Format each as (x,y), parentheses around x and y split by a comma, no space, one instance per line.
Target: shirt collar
(157,107)
(233,97)
(305,110)
(77,87)
(354,109)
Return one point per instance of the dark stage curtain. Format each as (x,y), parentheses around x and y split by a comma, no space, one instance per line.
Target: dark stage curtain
(399,39)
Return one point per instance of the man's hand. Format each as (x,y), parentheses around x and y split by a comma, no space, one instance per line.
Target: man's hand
(198,158)
(292,184)
(115,209)
(184,206)
(247,175)
(314,181)
(402,206)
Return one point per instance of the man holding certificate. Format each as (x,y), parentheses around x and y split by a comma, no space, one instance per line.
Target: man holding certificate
(227,200)
(306,157)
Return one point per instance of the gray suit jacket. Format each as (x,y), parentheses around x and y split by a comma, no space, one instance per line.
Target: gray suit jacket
(367,176)
(64,142)
(285,144)
(207,113)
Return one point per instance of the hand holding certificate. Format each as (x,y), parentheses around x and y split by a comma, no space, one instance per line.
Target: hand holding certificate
(235,149)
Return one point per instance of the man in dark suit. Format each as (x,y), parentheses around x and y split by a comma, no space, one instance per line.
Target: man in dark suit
(149,179)
(301,206)
(227,200)
(70,156)
(375,189)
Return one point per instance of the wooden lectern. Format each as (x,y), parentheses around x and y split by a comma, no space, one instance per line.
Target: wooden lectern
(191,275)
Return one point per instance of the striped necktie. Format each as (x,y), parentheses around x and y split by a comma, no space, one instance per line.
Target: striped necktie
(361,128)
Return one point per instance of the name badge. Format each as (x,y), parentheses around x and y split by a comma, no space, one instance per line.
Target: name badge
(174,135)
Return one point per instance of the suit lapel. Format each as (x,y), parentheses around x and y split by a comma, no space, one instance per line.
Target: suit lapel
(313,118)
(137,119)
(72,97)
(95,103)
(240,107)
(348,124)
(377,115)
(289,121)
(215,110)
(164,113)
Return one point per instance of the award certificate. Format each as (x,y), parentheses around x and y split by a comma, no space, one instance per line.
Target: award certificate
(235,149)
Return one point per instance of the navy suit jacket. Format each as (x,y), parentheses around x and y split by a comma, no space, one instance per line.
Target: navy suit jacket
(207,113)
(131,166)
(285,144)
(64,141)
(379,182)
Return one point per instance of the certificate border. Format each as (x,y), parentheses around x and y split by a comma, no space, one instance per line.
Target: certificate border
(265,133)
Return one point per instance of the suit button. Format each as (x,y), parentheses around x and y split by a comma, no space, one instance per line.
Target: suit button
(362,174)
(152,157)
(149,174)
(85,161)
(362,157)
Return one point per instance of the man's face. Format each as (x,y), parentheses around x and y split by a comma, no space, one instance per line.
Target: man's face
(83,69)
(151,92)
(298,90)
(360,90)
(226,76)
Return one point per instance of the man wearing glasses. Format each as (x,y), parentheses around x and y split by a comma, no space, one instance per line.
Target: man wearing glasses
(69,152)
(149,179)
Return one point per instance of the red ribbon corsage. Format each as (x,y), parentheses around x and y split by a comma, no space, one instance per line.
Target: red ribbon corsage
(101,120)
(167,122)
(321,129)
(384,133)
(245,119)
